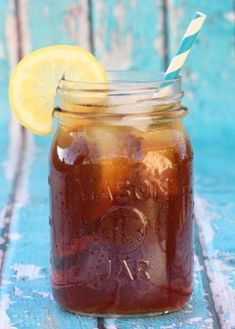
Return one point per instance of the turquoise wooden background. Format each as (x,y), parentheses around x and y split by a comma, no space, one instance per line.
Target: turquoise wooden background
(122,34)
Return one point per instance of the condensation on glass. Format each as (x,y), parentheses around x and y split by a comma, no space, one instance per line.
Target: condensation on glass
(121,197)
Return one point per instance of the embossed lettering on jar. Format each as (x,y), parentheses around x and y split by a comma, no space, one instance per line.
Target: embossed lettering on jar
(121,197)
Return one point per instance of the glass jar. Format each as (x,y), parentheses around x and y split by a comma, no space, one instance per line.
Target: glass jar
(121,197)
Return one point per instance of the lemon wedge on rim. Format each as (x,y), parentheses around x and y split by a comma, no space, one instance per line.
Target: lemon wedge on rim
(33,83)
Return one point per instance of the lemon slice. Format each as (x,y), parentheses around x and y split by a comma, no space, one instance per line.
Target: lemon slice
(33,83)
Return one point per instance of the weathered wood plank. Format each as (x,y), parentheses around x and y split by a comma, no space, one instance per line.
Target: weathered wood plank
(208,74)
(215,207)
(26,296)
(26,300)
(128,34)
(4,119)
(209,92)
(60,22)
(10,132)
(114,46)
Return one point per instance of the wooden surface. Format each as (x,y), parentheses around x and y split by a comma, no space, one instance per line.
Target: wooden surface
(123,34)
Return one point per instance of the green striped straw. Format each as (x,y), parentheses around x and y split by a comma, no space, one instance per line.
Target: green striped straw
(185,46)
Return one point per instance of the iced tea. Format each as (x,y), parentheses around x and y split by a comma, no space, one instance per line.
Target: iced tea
(121,216)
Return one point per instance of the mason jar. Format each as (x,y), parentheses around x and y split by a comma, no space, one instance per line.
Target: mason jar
(121,196)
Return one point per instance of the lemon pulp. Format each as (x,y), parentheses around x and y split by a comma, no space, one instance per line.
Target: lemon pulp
(34,81)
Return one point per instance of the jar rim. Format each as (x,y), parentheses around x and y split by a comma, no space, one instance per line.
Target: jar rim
(127,91)
(121,80)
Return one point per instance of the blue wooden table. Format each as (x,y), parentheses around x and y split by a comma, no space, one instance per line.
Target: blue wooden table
(123,34)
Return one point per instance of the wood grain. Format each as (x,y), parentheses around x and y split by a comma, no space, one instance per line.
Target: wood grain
(26,300)
(215,208)
(13,151)
(4,121)
(208,74)
(60,22)
(209,86)
(128,34)
(26,285)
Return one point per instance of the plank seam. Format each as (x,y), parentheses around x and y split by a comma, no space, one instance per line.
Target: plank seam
(7,217)
(101,323)
(18,30)
(209,295)
(165,32)
(11,204)
(91,26)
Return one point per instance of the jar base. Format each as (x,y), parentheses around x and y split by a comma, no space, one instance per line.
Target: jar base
(92,305)
(138,315)
(128,315)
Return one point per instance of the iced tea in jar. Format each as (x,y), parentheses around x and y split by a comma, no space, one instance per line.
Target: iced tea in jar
(121,197)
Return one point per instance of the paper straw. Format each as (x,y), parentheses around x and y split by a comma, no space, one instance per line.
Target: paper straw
(184,48)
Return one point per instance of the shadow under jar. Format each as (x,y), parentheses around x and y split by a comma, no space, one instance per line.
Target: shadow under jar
(121,197)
